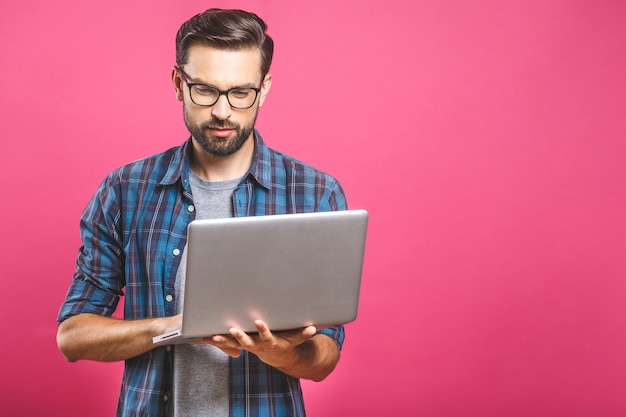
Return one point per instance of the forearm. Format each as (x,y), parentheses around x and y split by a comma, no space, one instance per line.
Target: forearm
(314,359)
(89,336)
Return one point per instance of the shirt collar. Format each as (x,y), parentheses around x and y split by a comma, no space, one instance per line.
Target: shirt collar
(178,166)
(260,169)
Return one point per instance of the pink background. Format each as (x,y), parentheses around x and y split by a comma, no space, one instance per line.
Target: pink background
(487,140)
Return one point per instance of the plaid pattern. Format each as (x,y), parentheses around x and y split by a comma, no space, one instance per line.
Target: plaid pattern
(134,231)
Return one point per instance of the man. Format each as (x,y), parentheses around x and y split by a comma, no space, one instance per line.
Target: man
(134,236)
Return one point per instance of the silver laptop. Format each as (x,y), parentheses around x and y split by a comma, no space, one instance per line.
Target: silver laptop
(289,270)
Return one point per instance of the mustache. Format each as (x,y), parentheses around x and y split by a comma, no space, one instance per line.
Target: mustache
(219,124)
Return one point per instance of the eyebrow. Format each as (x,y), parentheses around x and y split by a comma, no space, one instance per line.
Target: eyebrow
(193,80)
(198,81)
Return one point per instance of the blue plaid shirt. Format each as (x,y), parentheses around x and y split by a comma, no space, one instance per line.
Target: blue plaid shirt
(134,231)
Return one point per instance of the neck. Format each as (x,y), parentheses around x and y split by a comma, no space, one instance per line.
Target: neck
(221,168)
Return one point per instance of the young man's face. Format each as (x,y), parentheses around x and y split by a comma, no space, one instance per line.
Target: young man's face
(220,129)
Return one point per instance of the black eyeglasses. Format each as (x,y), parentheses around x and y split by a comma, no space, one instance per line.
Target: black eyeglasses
(207,95)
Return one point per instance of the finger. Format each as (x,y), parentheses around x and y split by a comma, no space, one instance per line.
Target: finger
(304,332)
(309,331)
(297,337)
(230,351)
(223,342)
(226,344)
(304,335)
(240,336)
(265,334)
(218,338)
(235,353)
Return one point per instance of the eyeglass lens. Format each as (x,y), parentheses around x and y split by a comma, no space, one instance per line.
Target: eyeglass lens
(241,98)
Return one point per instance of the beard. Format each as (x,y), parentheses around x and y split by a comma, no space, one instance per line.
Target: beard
(218,146)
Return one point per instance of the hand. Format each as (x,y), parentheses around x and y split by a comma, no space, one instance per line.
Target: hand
(275,349)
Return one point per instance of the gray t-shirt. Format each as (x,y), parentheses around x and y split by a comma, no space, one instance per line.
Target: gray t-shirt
(201,373)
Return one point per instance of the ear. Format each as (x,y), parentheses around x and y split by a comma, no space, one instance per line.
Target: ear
(265,88)
(178,84)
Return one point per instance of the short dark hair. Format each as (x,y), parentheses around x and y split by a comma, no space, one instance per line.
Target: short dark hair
(225,29)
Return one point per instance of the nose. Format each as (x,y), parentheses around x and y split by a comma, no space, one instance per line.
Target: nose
(221,109)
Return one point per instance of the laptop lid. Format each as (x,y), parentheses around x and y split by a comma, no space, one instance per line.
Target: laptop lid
(289,270)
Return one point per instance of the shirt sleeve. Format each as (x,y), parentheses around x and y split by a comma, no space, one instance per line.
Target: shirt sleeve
(333,200)
(337,333)
(99,278)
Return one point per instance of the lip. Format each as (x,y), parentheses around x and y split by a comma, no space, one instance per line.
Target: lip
(222,133)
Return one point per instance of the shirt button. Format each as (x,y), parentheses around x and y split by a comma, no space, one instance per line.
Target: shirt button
(168,348)
(165,398)
(169,298)
(190,208)
(176,252)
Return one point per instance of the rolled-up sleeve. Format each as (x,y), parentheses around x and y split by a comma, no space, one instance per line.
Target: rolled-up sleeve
(97,284)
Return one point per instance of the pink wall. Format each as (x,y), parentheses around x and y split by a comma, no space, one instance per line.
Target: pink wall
(486,139)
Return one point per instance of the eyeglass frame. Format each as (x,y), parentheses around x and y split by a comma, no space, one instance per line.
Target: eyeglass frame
(220,93)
